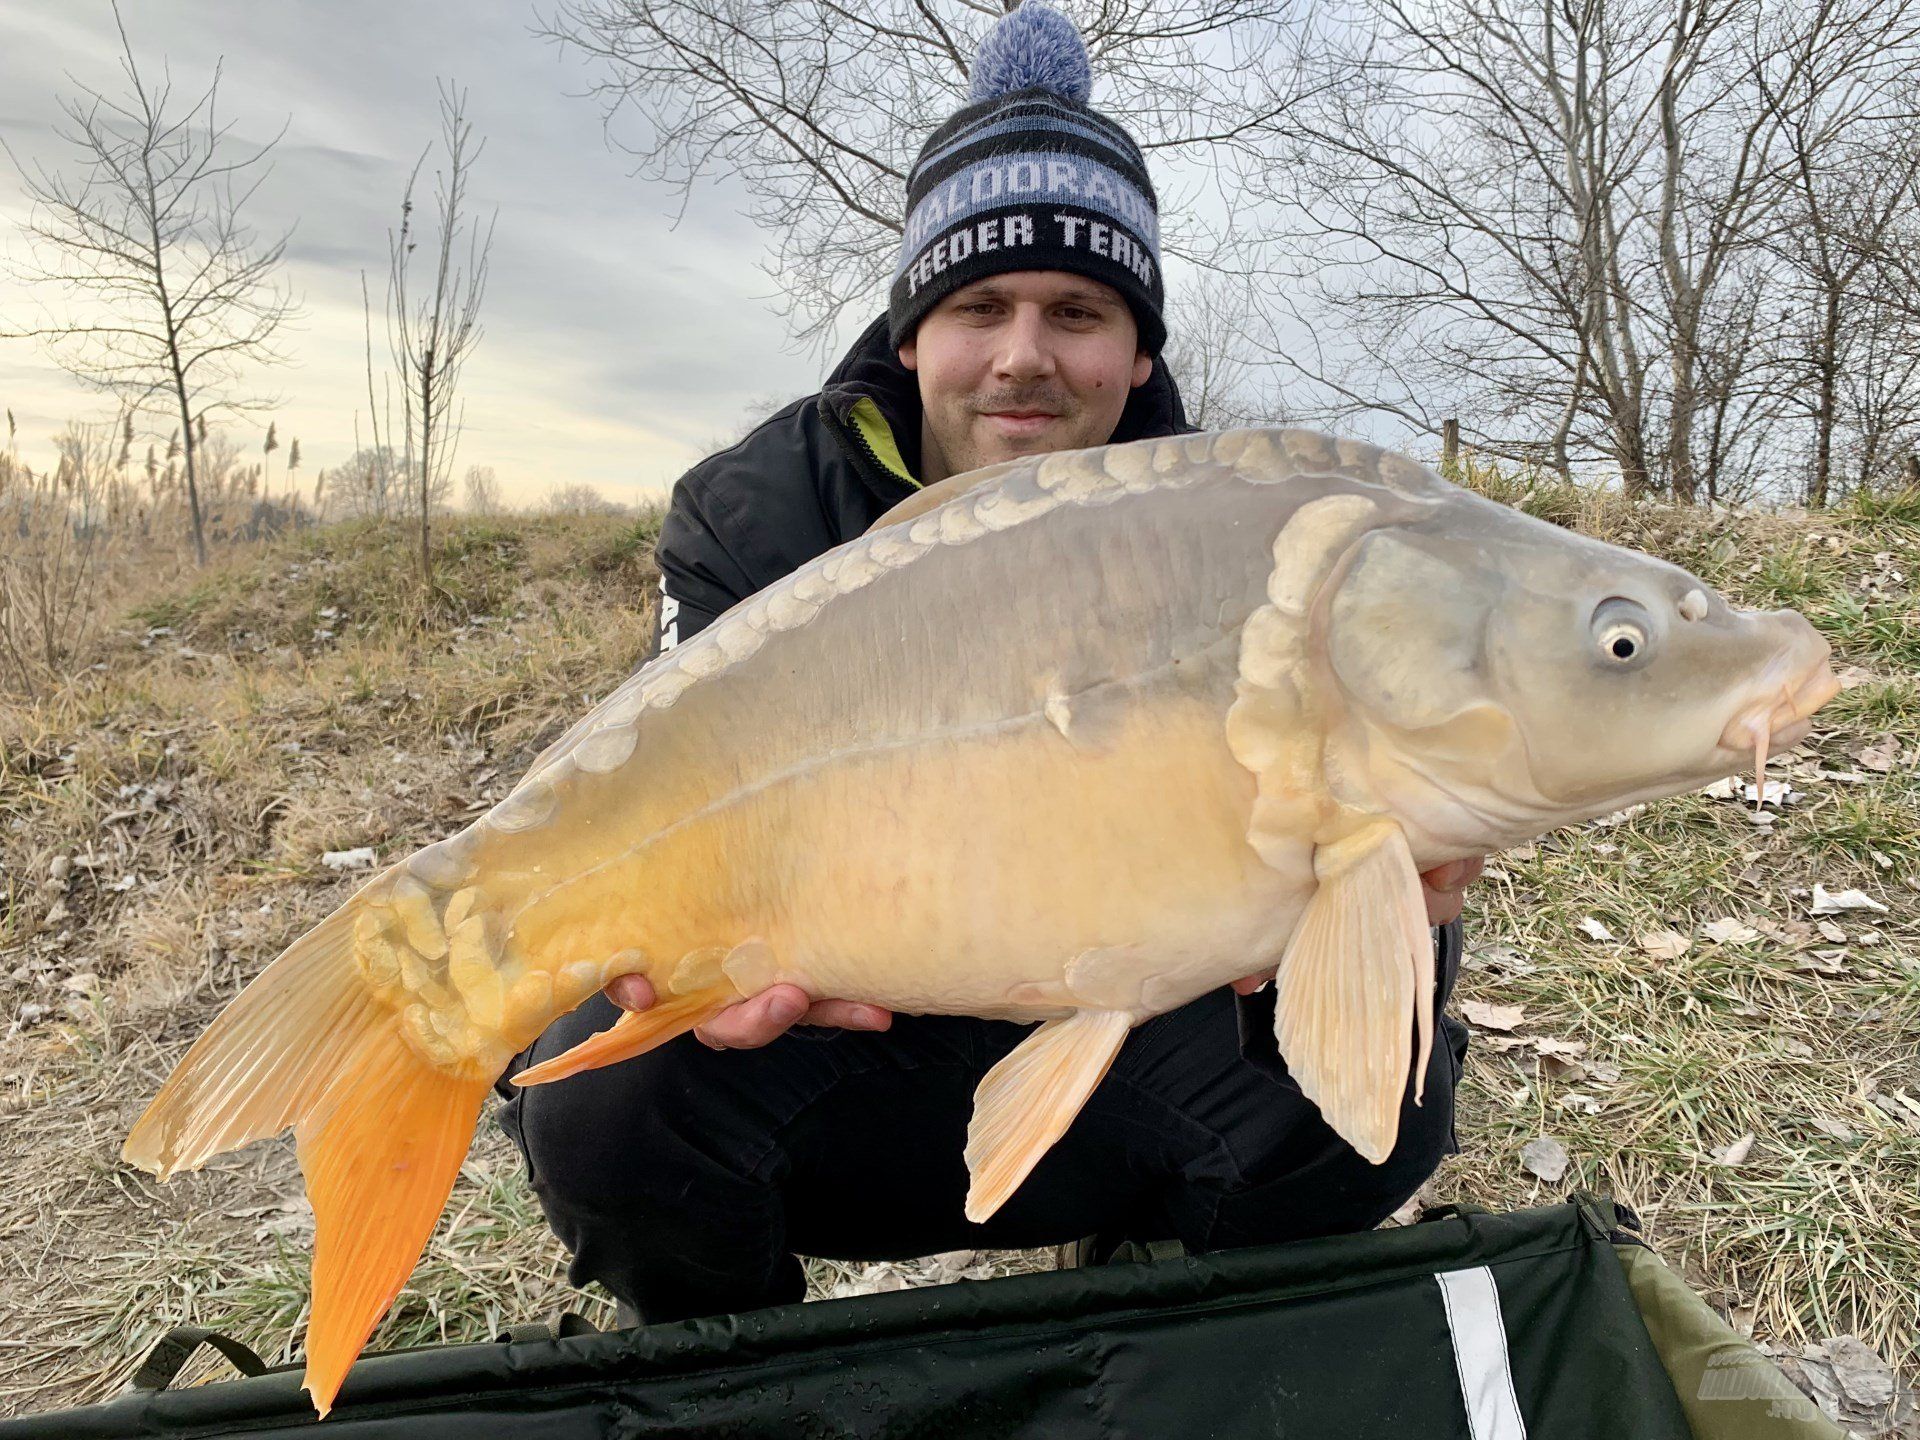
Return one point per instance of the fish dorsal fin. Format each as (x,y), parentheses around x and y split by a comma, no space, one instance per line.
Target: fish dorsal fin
(933,496)
(1026,1102)
(1358,967)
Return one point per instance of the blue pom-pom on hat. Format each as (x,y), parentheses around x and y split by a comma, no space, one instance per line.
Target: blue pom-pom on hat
(1035,47)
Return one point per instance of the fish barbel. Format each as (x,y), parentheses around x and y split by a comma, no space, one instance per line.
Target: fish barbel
(1073,739)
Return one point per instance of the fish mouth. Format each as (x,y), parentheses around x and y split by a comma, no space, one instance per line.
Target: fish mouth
(1784,713)
(1782,716)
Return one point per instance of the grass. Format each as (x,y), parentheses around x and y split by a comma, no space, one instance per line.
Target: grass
(203,771)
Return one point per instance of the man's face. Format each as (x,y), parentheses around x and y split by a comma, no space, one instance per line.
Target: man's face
(1020,364)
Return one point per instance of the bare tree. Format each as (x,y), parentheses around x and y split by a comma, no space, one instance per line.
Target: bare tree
(370,484)
(1850,347)
(1554,219)
(167,297)
(818,108)
(483,491)
(1215,365)
(579,498)
(431,333)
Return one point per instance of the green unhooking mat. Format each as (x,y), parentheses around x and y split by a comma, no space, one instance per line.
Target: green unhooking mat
(1469,1324)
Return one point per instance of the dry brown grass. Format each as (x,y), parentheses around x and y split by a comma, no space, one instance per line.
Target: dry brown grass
(312,699)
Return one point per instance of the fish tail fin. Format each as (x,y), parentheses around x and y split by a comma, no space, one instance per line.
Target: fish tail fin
(634,1033)
(380,1154)
(381,1130)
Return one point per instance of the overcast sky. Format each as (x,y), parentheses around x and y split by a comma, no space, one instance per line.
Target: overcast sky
(615,346)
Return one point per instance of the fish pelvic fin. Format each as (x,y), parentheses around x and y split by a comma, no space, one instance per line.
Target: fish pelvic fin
(634,1033)
(1359,963)
(1026,1102)
(380,1129)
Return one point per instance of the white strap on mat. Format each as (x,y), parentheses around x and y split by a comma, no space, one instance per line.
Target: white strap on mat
(1480,1354)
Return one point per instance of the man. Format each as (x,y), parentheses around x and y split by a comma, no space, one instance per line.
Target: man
(1025,317)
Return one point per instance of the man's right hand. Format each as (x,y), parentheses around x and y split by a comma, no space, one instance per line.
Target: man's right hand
(749,1024)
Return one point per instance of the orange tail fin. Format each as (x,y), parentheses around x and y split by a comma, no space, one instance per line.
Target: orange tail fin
(634,1033)
(381,1131)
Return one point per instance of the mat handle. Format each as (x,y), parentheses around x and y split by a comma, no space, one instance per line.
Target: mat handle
(172,1351)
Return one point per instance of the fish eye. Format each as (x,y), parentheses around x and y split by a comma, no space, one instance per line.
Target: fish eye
(1622,633)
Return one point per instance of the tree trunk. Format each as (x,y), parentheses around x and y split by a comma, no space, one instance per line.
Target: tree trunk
(1823,420)
(426,463)
(193,479)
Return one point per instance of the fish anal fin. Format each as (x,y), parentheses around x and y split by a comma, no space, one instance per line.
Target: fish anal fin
(380,1155)
(634,1033)
(1025,1103)
(1355,970)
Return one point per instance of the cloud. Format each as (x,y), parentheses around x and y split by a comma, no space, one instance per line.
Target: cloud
(614,345)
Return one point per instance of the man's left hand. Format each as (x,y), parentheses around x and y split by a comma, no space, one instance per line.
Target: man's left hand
(1444,888)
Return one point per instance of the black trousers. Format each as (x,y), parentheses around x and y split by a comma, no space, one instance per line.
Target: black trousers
(686,1180)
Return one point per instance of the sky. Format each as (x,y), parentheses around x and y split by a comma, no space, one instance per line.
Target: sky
(616,346)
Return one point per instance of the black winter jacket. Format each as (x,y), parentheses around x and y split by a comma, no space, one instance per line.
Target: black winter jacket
(818,474)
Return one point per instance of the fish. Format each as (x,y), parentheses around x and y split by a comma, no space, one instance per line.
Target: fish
(1070,740)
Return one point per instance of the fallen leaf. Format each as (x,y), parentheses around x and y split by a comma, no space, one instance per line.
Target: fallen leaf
(1865,1378)
(1593,929)
(1830,931)
(1822,962)
(1554,1045)
(1832,902)
(1725,789)
(1827,1125)
(1799,1049)
(1500,957)
(358,859)
(1879,757)
(1580,1104)
(1728,931)
(1664,944)
(1499,1044)
(1778,793)
(1492,1017)
(1572,1071)
(1545,1157)
(1736,1153)
(1619,817)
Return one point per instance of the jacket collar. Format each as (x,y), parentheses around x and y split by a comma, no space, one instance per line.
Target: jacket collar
(871,371)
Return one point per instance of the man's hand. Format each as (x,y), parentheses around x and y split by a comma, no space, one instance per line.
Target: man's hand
(767,1016)
(1444,887)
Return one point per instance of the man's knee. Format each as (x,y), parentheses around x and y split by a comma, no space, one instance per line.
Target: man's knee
(674,1120)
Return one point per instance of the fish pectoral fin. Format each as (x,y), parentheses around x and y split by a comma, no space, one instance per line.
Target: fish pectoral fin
(634,1033)
(1352,976)
(1026,1102)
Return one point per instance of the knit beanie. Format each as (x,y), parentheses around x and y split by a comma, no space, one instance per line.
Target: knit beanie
(1028,176)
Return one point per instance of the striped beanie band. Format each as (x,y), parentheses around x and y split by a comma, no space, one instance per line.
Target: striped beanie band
(1028,176)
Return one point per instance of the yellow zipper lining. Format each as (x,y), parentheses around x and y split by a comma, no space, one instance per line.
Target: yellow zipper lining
(873,429)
